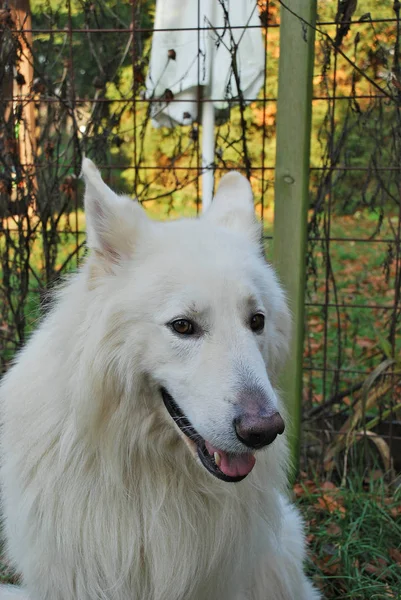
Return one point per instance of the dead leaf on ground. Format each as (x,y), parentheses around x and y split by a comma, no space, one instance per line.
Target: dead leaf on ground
(395,511)
(331,504)
(395,555)
(328,485)
(372,569)
(333,529)
(327,565)
(306,487)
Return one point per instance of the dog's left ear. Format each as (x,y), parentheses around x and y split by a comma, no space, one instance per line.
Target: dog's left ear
(113,223)
(233,207)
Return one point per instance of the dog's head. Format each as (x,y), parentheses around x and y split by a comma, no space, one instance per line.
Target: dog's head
(199,313)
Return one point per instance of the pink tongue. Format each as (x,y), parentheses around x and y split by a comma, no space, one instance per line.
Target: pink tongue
(233,465)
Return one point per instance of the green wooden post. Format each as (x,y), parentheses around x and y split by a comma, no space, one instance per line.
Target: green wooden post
(294,112)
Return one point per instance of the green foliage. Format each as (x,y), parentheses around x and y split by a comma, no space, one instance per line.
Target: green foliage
(96,58)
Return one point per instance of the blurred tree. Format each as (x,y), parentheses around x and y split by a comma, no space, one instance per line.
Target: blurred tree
(23,83)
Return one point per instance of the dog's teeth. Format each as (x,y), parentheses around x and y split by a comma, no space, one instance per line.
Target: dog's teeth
(217,458)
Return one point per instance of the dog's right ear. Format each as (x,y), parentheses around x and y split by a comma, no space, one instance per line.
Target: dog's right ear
(232,206)
(112,222)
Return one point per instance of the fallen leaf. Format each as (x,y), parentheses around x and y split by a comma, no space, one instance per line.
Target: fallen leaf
(364,342)
(328,565)
(333,529)
(299,490)
(395,555)
(327,502)
(377,570)
(381,561)
(372,569)
(328,485)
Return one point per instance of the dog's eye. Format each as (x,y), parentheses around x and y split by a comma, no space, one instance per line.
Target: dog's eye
(183,327)
(257,322)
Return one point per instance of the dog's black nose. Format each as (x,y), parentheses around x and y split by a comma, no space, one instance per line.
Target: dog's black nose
(257,431)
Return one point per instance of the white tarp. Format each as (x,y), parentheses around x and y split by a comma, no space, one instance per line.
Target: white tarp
(203,57)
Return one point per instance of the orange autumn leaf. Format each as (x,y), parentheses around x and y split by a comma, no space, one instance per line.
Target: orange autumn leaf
(328,485)
(299,491)
(329,503)
(364,342)
(307,486)
(318,398)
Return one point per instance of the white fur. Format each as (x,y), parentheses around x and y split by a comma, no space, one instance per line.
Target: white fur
(10,592)
(102,499)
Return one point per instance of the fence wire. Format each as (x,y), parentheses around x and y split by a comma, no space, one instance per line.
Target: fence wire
(73,81)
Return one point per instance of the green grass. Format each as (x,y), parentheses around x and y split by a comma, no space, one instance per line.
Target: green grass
(354,538)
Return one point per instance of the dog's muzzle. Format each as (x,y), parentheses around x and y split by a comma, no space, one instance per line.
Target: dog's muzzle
(255,432)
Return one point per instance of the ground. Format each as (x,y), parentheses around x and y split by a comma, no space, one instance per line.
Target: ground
(354,536)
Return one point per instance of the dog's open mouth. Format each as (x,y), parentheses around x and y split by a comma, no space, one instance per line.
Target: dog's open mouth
(226,466)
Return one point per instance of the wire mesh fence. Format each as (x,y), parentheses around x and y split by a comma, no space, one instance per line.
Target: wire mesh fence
(75,79)
(352,379)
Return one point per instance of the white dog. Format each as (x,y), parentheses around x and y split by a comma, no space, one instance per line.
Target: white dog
(134,419)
